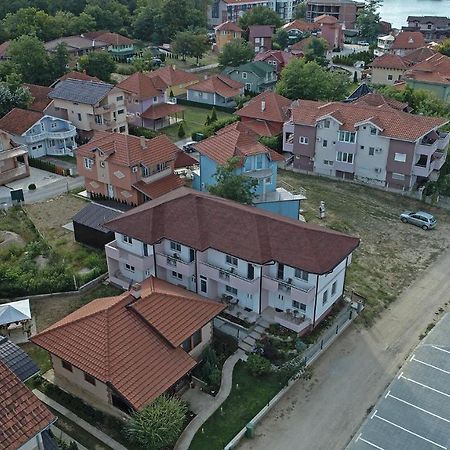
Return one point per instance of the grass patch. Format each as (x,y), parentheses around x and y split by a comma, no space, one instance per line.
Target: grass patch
(239,408)
(194,118)
(38,355)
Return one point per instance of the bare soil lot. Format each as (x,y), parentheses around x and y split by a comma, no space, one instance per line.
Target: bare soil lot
(391,254)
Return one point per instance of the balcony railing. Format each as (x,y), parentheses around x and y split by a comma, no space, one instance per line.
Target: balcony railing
(222,273)
(32,138)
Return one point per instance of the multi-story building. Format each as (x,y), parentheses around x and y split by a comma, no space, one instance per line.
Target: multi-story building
(331,30)
(432,27)
(375,144)
(401,44)
(174,81)
(13,161)
(225,33)
(90,106)
(276,58)
(260,37)
(289,271)
(128,168)
(41,134)
(343,10)
(257,76)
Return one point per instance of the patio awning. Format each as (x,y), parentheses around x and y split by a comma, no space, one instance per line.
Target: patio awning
(161,110)
(15,312)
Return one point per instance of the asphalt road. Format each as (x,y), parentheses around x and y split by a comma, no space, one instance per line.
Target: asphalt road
(325,412)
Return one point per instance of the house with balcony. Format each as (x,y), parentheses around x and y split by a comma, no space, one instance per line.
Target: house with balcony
(378,145)
(121,353)
(128,168)
(147,103)
(90,106)
(256,76)
(433,28)
(42,135)
(400,44)
(120,47)
(259,263)
(217,90)
(225,33)
(13,161)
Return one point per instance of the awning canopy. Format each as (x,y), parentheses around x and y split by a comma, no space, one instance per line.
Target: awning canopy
(15,312)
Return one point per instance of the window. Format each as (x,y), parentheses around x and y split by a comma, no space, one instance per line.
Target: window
(175,246)
(145,249)
(89,378)
(259,161)
(161,166)
(129,267)
(333,288)
(250,271)
(345,157)
(102,163)
(347,136)
(121,111)
(177,275)
(127,239)
(248,86)
(79,117)
(325,143)
(88,163)
(400,157)
(302,307)
(67,365)
(371,151)
(244,75)
(327,162)
(303,140)
(119,98)
(325,297)
(301,274)
(155,99)
(295,304)
(398,176)
(148,273)
(362,147)
(231,260)
(203,284)
(326,123)
(373,130)
(196,338)
(390,77)
(231,290)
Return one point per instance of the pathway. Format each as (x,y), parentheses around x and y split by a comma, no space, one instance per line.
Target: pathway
(107,440)
(324,413)
(184,441)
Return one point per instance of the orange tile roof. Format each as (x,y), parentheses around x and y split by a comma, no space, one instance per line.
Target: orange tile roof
(373,99)
(109,38)
(184,160)
(281,56)
(325,18)
(18,120)
(418,55)
(159,187)
(74,75)
(141,85)
(408,40)
(435,69)
(22,415)
(126,150)
(228,26)
(159,110)
(132,344)
(299,25)
(389,61)
(219,84)
(394,123)
(302,45)
(170,76)
(263,128)
(40,97)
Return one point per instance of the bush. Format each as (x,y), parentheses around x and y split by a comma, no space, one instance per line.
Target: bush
(209,130)
(349,60)
(273,142)
(125,69)
(31,187)
(258,365)
(181,132)
(141,131)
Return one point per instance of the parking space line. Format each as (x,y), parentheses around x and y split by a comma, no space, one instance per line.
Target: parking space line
(418,407)
(430,365)
(425,386)
(439,348)
(359,438)
(410,432)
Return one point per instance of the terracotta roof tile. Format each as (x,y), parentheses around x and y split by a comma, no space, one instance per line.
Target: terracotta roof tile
(40,97)
(131,343)
(281,56)
(22,415)
(389,61)
(17,121)
(184,160)
(435,69)
(74,75)
(109,38)
(373,99)
(325,18)
(141,85)
(228,26)
(418,55)
(299,25)
(159,110)
(256,31)
(159,187)
(203,221)
(408,40)
(170,76)
(219,84)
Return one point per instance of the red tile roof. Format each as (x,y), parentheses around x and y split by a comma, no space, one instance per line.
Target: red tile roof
(159,110)
(203,221)
(394,123)
(22,415)
(263,128)
(418,55)
(326,19)
(159,187)
(408,40)
(183,160)
(219,84)
(170,76)
(141,85)
(281,56)
(126,150)
(133,344)
(228,26)
(74,75)
(40,96)
(389,61)
(299,25)
(374,99)
(435,69)
(18,120)
(256,31)
(109,38)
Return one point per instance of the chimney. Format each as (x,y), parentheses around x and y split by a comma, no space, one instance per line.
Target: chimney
(135,290)
(142,141)
(263,105)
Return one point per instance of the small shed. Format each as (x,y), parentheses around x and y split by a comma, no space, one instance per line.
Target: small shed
(88,225)
(15,320)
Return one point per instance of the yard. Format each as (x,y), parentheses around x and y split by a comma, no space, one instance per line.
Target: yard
(391,254)
(194,119)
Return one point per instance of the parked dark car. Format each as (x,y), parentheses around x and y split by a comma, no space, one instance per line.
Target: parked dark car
(189,147)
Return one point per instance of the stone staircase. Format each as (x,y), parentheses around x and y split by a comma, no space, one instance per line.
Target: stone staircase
(248,344)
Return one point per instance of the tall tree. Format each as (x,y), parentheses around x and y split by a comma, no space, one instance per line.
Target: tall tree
(235,53)
(13,95)
(282,38)
(58,61)
(98,64)
(260,15)
(368,20)
(144,22)
(232,185)
(316,51)
(108,14)
(300,10)
(189,43)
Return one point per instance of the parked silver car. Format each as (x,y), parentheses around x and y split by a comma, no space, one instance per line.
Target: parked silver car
(422,219)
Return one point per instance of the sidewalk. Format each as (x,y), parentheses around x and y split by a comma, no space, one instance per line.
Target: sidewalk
(107,440)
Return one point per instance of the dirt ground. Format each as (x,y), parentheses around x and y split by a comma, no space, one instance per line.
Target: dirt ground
(391,254)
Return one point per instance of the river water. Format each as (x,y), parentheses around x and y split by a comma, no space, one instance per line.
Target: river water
(396,11)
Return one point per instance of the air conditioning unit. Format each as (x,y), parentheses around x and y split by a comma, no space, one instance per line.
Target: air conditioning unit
(378,150)
(377,169)
(135,169)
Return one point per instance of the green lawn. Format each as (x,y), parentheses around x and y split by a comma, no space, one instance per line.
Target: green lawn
(38,355)
(194,119)
(239,408)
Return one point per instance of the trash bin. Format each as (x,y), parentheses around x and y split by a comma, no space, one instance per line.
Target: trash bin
(250,430)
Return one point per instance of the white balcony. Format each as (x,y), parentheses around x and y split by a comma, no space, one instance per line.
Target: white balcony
(32,138)
(116,253)
(301,293)
(421,171)
(291,319)
(172,262)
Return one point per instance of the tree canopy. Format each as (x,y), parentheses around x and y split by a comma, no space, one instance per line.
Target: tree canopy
(260,15)
(13,94)
(235,53)
(368,20)
(189,43)
(444,47)
(308,80)
(316,50)
(98,64)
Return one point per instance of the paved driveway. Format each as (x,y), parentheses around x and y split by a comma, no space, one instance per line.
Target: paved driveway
(324,413)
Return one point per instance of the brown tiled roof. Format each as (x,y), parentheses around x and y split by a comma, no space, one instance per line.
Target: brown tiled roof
(228,26)
(203,221)
(373,99)
(170,76)
(4,48)
(256,31)
(141,85)
(418,55)
(408,40)
(159,187)
(126,150)
(263,128)
(435,69)
(132,344)
(275,107)
(395,124)
(302,45)
(159,110)
(40,97)
(74,75)
(281,56)
(220,84)
(22,415)
(18,120)
(389,61)
(109,38)
(184,160)
(325,18)
(299,25)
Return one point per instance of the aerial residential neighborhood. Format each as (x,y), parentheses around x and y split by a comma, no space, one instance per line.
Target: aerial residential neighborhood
(224,225)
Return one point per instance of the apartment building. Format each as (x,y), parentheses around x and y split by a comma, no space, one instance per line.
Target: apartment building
(265,264)
(432,27)
(90,105)
(128,168)
(343,10)
(375,144)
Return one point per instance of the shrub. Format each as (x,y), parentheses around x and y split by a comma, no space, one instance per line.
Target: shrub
(125,69)
(213,115)
(349,60)
(181,132)
(209,130)
(141,131)
(273,142)
(258,365)
(31,187)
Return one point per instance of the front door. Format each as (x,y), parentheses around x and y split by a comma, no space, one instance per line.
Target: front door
(110,191)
